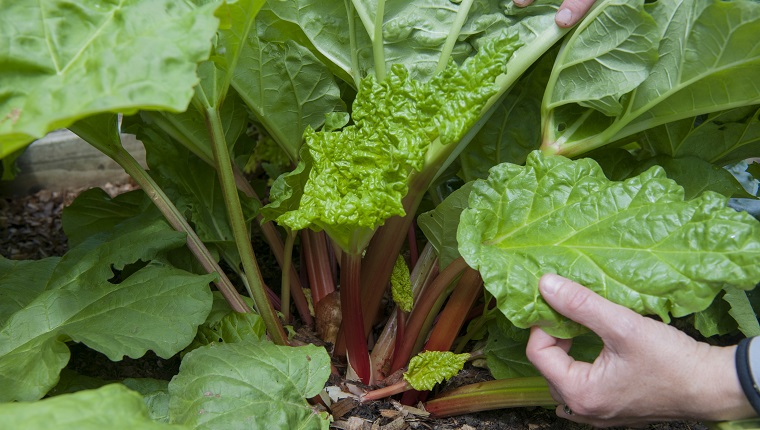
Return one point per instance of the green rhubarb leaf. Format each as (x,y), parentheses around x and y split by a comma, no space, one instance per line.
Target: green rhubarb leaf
(612,51)
(62,62)
(252,385)
(694,174)
(110,407)
(637,242)
(155,394)
(723,138)
(401,285)
(190,181)
(354,179)
(438,224)
(82,297)
(94,212)
(429,368)
(741,310)
(285,85)
(708,58)
(226,326)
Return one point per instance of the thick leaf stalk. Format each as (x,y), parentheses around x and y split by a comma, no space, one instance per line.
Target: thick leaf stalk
(351,307)
(490,395)
(123,158)
(238,225)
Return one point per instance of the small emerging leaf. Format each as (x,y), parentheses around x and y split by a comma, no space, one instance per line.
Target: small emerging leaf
(401,285)
(433,367)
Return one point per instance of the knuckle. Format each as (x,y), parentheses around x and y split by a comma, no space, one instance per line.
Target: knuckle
(578,301)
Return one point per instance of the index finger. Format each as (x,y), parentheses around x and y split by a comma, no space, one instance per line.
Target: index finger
(605,318)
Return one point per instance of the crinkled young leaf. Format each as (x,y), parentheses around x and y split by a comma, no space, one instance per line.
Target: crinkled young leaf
(429,368)
(113,407)
(252,385)
(636,242)
(78,297)
(354,179)
(63,61)
(155,394)
(401,285)
(514,129)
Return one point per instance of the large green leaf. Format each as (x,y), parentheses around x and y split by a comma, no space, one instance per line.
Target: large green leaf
(609,55)
(708,62)
(61,61)
(723,138)
(79,297)
(285,85)
(636,242)
(112,407)
(249,385)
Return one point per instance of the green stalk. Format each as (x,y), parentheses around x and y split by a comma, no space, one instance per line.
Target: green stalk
(490,395)
(378,45)
(451,39)
(124,159)
(239,229)
(286,276)
(351,307)
(355,70)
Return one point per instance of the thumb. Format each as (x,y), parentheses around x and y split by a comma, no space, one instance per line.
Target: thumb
(585,307)
(572,11)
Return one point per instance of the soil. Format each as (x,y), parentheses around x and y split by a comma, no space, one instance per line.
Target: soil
(30,228)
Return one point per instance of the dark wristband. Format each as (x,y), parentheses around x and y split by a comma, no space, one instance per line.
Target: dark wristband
(744,371)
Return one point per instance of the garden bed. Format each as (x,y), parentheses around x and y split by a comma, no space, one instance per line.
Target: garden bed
(31,229)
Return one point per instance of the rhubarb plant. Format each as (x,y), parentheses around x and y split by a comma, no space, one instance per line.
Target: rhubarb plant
(387,118)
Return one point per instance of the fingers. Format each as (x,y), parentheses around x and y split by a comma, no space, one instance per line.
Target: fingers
(549,355)
(522,3)
(610,321)
(572,11)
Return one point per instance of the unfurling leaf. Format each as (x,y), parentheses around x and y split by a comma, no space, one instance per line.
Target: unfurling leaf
(636,242)
(433,367)
(350,181)
(401,285)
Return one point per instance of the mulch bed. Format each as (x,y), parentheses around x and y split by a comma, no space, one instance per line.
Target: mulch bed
(30,228)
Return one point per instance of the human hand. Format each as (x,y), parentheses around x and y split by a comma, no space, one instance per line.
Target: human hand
(647,371)
(570,12)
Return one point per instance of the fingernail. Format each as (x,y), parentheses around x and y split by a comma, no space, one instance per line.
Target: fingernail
(550,284)
(564,17)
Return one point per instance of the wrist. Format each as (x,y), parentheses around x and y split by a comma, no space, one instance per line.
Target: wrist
(722,396)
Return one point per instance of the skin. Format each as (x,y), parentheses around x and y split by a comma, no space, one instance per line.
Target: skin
(647,371)
(569,13)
